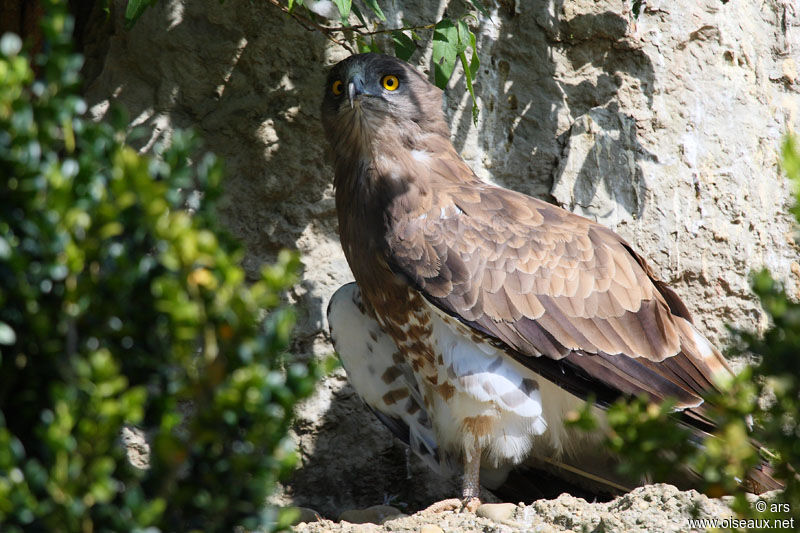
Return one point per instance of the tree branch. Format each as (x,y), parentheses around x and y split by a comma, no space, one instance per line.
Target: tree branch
(327,31)
(310,25)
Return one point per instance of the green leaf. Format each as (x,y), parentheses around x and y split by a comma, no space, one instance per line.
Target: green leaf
(477,4)
(450,41)
(404,46)
(365,47)
(467,38)
(358,14)
(468,77)
(344,7)
(373,5)
(474,62)
(134,10)
(791,166)
(636,8)
(471,67)
(445,51)
(791,158)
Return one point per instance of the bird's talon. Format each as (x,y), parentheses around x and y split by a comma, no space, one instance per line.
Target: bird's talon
(470,504)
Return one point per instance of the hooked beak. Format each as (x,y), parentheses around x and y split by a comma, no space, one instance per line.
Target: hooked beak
(355,87)
(351,93)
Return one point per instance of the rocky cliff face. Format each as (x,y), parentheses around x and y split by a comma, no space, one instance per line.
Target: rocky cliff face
(666,128)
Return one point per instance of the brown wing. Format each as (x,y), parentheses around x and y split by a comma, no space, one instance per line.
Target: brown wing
(547,282)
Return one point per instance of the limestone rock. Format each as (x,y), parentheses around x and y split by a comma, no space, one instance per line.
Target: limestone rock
(136,447)
(655,508)
(599,176)
(499,512)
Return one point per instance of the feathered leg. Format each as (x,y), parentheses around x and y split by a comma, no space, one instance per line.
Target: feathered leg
(470,486)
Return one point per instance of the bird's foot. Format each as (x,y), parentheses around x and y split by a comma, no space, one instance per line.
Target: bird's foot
(454,504)
(470,504)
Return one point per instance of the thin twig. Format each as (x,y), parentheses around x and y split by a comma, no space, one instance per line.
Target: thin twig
(305,22)
(310,25)
(390,30)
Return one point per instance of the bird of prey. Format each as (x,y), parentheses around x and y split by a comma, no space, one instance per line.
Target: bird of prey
(480,316)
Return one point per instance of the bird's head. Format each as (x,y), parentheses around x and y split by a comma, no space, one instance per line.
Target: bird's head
(371,97)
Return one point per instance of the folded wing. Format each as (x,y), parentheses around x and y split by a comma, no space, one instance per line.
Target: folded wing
(570,297)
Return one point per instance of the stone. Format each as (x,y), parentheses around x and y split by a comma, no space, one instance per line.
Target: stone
(136,447)
(430,528)
(365,528)
(304,515)
(789,70)
(377,514)
(499,512)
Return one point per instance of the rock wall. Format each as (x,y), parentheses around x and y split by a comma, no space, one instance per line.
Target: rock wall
(666,128)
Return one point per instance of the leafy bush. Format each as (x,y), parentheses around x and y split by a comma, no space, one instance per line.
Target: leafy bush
(650,441)
(119,306)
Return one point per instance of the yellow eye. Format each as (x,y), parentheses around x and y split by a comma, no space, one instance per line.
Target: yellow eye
(390,82)
(337,87)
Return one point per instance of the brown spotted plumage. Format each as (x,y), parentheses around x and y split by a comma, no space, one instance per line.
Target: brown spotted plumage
(501,311)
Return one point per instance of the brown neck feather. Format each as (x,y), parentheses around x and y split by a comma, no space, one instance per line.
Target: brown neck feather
(377,175)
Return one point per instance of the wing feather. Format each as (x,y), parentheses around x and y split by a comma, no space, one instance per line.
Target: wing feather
(549,283)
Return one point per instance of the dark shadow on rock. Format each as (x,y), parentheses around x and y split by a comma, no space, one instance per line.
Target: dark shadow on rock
(601,40)
(610,186)
(310,318)
(521,100)
(599,175)
(379,468)
(525,134)
(528,484)
(232,96)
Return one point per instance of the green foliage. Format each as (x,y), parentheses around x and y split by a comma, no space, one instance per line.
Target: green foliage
(118,306)
(452,37)
(135,9)
(373,5)
(791,166)
(467,38)
(445,51)
(651,441)
(480,7)
(450,41)
(404,46)
(643,437)
(343,6)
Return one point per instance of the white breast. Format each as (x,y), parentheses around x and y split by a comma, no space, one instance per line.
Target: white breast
(529,410)
(526,410)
